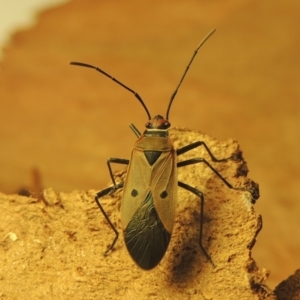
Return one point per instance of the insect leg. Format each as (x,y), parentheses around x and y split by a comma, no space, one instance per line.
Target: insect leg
(120,161)
(201,196)
(110,190)
(198,144)
(100,195)
(200,160)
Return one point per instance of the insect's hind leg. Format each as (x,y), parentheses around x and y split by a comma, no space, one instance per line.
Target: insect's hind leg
(108,191)
(201,196)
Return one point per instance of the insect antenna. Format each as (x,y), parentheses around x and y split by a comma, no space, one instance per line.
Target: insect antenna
(186,70)
(115,80)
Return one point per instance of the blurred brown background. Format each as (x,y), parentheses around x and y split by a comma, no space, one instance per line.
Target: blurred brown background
(244,84)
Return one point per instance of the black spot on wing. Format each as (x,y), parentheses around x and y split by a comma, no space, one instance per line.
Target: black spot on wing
(163,194)
(134,193)
(145,236)
(152,156)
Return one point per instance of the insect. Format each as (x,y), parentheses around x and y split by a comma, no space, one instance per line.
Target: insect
(148,205)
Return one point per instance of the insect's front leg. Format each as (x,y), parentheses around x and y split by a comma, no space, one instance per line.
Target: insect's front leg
(201,196)
(198,144)
(252,191)
(108,191)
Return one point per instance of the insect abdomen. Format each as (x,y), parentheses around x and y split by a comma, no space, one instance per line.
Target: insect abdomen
(145,236)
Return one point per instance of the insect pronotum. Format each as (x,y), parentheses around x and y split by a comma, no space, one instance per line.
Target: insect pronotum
(148,205)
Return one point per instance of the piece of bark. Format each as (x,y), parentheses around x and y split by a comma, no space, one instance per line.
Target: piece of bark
(54,248)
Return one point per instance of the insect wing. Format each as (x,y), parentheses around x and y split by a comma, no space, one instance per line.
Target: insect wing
(149,205)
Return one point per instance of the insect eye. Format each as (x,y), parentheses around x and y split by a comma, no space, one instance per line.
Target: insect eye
(165,125)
